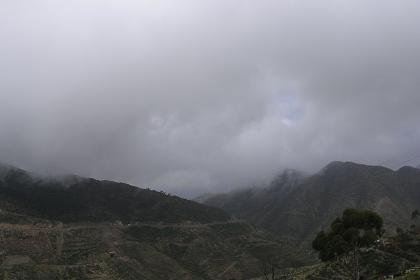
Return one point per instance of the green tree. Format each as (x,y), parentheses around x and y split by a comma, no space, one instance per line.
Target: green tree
(415,214)
(414,218)
(353,230)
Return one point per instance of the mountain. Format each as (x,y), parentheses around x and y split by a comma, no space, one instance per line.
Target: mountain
(76,199)
(297,207)
(81,228)
(252,202)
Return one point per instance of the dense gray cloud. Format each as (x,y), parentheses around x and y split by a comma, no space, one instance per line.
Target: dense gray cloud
(195,96)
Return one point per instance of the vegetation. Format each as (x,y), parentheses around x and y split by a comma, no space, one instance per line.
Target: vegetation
(355,229)
(91,200)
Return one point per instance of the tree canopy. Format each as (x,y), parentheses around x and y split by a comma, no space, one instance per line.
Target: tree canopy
(354,229)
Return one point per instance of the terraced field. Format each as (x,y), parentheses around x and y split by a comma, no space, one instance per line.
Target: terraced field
(219,250)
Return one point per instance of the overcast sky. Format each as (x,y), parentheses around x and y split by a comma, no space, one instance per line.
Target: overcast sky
(205,95)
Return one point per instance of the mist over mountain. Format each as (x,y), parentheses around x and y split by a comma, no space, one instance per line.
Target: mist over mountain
(78,199)
(204,96)
(297,207)
(209,99)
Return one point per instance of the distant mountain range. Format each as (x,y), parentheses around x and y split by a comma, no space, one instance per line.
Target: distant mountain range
(297,206)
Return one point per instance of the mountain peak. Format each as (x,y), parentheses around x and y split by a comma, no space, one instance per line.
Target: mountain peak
(286,180)
(338,164)
(406,169)
(5,168)
(334,166)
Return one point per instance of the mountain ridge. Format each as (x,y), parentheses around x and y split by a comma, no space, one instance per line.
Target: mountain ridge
(315,201)
(78,199)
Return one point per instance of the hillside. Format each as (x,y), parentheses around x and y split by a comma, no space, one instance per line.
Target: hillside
(79,228)
(223,250)
(301,206)
(76,199)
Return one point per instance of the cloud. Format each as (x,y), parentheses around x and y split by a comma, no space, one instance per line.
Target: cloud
(195,96)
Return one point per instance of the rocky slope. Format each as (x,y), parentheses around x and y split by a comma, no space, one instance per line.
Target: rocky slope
(304,205)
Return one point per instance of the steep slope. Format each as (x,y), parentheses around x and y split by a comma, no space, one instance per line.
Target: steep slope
(315,201)
(253,202)
(75,199)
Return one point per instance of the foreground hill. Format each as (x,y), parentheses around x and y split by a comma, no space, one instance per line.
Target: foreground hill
(76,199)
(296,206)
(222,250)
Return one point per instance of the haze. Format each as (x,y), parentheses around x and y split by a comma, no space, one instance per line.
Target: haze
(198,96)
